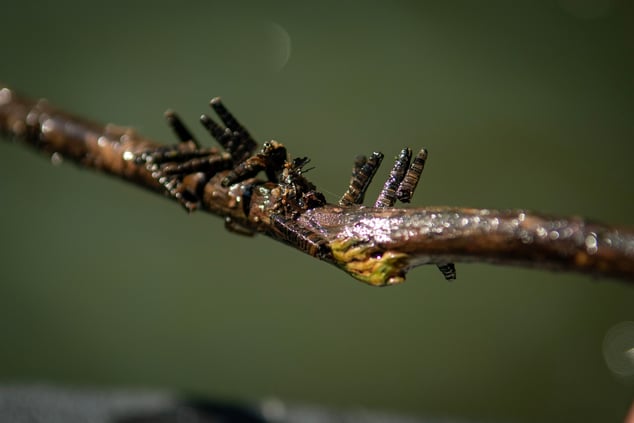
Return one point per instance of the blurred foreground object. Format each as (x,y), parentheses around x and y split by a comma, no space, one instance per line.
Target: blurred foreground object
(50,404)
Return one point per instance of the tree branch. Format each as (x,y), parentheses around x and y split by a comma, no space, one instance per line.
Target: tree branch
(376,245)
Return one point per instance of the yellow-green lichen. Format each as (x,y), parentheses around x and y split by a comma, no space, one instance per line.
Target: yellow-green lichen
(368,263)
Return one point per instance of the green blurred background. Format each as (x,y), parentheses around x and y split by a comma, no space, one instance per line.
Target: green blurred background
(520,103)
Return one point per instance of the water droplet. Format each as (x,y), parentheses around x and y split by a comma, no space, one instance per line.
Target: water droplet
(47,126)
(266,44)
(5,95)
(526,237)
(279,43)
(31,118)
(591,244)
(618,349)
(127,155)
(56,159)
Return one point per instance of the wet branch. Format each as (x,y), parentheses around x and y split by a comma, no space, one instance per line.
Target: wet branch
(376,245)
